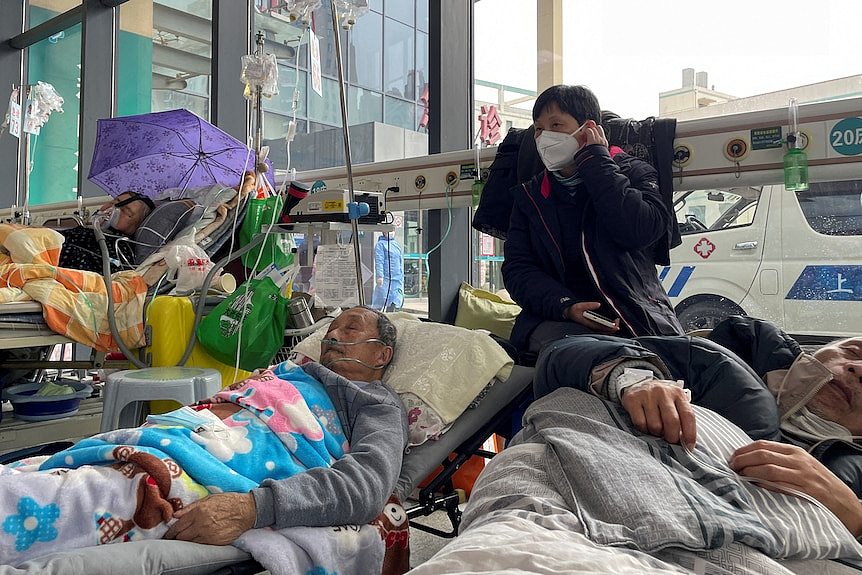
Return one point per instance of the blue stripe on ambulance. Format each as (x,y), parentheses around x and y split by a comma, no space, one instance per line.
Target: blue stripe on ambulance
(828,283)
(680,281)
(663,273)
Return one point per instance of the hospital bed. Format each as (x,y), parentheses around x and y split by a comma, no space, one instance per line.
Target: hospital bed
(464,438)
(640,510)
(22,324)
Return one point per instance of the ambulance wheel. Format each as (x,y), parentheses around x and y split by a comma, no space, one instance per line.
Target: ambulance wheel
(706,314)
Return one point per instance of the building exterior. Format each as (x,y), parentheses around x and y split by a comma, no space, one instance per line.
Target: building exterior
(693,95)
(695,100)
(165,61)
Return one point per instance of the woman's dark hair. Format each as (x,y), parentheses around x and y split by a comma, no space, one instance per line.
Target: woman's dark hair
(577,101)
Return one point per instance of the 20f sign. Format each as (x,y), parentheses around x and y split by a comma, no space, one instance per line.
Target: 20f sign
(846,137)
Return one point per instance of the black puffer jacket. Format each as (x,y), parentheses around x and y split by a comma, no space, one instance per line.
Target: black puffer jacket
(726,373)
(717,378)
(623,218)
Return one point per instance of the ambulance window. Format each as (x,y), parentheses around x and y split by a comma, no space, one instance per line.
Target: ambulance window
(702,210)
(833,208)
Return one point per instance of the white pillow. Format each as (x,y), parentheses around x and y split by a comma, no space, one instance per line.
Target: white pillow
(442,365)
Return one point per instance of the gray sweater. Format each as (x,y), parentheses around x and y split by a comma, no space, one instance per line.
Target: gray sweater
(356,487)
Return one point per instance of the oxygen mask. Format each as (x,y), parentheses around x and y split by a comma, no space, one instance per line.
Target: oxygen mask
(106,219)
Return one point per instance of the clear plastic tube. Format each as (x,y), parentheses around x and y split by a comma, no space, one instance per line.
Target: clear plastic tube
(331,341)
(793,116)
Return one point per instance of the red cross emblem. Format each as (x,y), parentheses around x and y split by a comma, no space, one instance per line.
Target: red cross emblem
(704,248)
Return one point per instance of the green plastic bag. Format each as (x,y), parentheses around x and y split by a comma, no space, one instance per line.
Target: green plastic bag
(276,248)
(252,318)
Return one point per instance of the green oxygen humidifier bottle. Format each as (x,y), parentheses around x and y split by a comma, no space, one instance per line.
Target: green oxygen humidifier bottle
(795,160)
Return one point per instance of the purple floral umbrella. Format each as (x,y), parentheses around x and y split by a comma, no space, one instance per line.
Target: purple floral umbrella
(149,153)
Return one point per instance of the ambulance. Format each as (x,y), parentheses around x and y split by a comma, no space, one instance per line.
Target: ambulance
(793,258)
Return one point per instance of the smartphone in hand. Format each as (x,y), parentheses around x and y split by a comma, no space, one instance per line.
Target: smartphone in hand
(599,319)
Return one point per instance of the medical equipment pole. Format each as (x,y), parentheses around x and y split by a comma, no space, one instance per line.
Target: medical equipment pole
(347,163)
(25,188)
(25,206)
(258,110)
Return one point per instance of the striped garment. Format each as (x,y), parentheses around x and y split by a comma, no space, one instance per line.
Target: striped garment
(803,528)
(634,490)
(74,302)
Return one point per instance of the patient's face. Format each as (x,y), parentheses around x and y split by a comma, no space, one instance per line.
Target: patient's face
(355,325)
(131,215)
(841,399)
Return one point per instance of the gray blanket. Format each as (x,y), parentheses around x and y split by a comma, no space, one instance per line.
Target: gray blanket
(634,490)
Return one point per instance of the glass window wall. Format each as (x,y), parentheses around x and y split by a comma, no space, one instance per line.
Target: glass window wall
(42,10)
(365,106)
(365,49)
(165,56)
(398,67)
(402,11)
(54,150)
(164,61)
(325,109)
(400,113)
(370,72)
(422,15)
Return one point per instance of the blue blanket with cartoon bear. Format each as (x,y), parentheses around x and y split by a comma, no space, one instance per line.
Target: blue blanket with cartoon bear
(126,484)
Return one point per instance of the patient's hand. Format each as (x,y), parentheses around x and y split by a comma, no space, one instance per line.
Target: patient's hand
(247,184)
(661,409)
(791,467)
(215,520)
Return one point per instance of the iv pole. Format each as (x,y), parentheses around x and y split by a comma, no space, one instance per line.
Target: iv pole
(259,163)
(348,164)
(23,192)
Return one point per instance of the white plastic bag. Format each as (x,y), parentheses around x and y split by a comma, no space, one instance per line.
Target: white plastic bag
(259,71)
(189,266)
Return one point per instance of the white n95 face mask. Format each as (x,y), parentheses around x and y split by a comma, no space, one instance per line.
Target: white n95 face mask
(557,149)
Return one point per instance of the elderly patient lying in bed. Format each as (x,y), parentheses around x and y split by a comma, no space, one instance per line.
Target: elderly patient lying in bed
(291,446)
(124,215)
(135,226)
(653,483)
(769,387)
(581,490)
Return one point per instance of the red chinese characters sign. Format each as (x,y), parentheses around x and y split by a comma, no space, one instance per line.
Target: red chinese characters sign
(489,124)
(486,245)
(423,123)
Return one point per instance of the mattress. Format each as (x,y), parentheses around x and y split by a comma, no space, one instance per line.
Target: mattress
(424,459)
(22,325)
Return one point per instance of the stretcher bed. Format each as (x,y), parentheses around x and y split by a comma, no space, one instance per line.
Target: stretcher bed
(649,507)
(22,324)
(464,438)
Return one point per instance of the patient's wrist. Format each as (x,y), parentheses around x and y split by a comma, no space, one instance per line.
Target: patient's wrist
(264,503)
(855,523)
(624,375)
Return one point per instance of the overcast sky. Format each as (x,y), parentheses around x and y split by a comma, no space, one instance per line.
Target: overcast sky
(628,51)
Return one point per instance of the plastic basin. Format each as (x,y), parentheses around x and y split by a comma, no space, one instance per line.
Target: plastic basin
(28,406)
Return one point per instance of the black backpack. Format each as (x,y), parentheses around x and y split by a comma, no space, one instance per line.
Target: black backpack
(516,161)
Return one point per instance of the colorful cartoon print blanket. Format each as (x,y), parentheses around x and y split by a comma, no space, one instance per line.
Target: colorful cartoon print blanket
(125,485)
